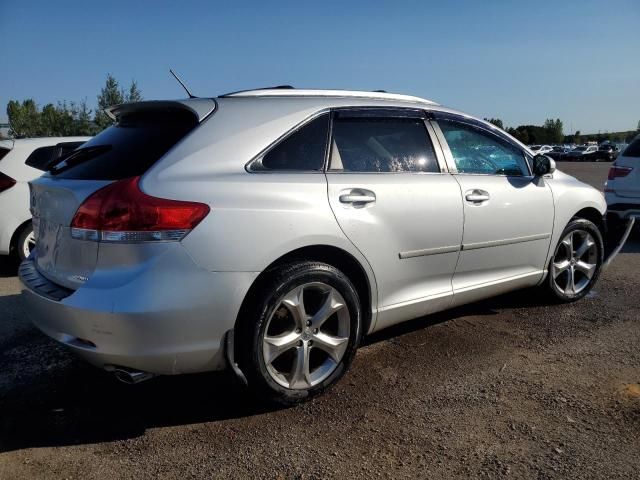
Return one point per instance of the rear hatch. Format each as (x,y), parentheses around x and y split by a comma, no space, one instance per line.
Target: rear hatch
(142,134)
(628,161)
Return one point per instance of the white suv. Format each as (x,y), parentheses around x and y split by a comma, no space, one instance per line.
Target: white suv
(622,189)
(21,161)
(269,230)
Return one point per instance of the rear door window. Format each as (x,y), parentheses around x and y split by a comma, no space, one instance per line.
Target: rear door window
(127,149)
(381,144)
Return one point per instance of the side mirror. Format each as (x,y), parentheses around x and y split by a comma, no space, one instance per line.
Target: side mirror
(543,165)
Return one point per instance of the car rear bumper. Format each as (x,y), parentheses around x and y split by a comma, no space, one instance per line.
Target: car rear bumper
(621,208)
(147,323)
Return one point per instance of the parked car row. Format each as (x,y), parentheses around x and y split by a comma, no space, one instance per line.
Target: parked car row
(606,152)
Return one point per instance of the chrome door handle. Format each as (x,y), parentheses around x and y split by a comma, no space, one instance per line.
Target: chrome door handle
(357,196)
(477,196)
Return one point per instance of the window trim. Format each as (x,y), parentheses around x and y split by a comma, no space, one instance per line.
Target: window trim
(387,112)
(478,125)
(249,166)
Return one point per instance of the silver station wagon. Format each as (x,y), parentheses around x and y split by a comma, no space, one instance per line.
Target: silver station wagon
(267,231)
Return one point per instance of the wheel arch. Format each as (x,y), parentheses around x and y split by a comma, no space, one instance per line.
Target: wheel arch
(593,215)
(334,256)
(16,234)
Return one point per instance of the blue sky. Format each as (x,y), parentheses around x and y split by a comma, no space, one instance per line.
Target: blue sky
(520,61)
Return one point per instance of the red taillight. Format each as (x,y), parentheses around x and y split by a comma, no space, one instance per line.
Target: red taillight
(6,182)
(617,172)
(122,212)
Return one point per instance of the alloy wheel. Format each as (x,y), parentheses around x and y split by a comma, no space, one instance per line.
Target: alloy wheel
(575,262)
(306,336)
(28,244)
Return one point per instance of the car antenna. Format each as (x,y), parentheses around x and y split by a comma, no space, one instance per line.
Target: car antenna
(182,84)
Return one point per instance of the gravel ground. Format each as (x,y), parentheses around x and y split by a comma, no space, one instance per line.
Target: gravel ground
(509,387)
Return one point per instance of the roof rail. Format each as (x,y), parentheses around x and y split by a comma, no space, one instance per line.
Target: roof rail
(277,87)
(285,91)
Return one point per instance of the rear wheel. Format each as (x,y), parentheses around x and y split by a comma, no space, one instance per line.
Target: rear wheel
(25,242)
(301,333)
(576,262)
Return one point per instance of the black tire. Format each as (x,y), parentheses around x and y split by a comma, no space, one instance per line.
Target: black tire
(21,239)
(553,289)
(254,320)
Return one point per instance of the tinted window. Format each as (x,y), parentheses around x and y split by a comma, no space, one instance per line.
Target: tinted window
(365,144)
(633,150)
(477,151)
(127,149)
(303,150)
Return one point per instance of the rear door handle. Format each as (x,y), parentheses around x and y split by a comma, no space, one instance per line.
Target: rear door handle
(477,196)
(357,197)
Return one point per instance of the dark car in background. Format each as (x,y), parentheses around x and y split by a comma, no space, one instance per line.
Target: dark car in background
(606,152)
(581,154)
(558,152)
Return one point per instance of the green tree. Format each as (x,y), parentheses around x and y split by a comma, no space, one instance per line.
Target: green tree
(576,137)
(84,124)
(553,131)
(24,118)
(495,121)
(134,94)
(110,95)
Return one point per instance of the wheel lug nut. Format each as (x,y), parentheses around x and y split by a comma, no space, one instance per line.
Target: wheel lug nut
(298,330)
(308,323)
(315,331)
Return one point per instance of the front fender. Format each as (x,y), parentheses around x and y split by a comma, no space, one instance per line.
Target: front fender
(571,196)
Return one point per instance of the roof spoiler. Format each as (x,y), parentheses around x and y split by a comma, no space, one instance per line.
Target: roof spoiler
(200,107)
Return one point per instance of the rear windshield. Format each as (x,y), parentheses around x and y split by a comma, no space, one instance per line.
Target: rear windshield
(633,150)
(127,149)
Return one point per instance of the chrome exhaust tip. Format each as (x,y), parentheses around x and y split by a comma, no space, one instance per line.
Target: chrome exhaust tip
(128,376)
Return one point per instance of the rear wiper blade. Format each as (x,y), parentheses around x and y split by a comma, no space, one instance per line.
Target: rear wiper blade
(76,157)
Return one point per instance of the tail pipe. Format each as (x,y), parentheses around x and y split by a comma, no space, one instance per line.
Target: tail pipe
(128,375)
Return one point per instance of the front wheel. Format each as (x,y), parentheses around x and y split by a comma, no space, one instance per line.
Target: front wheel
(576,262)
(301,332)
